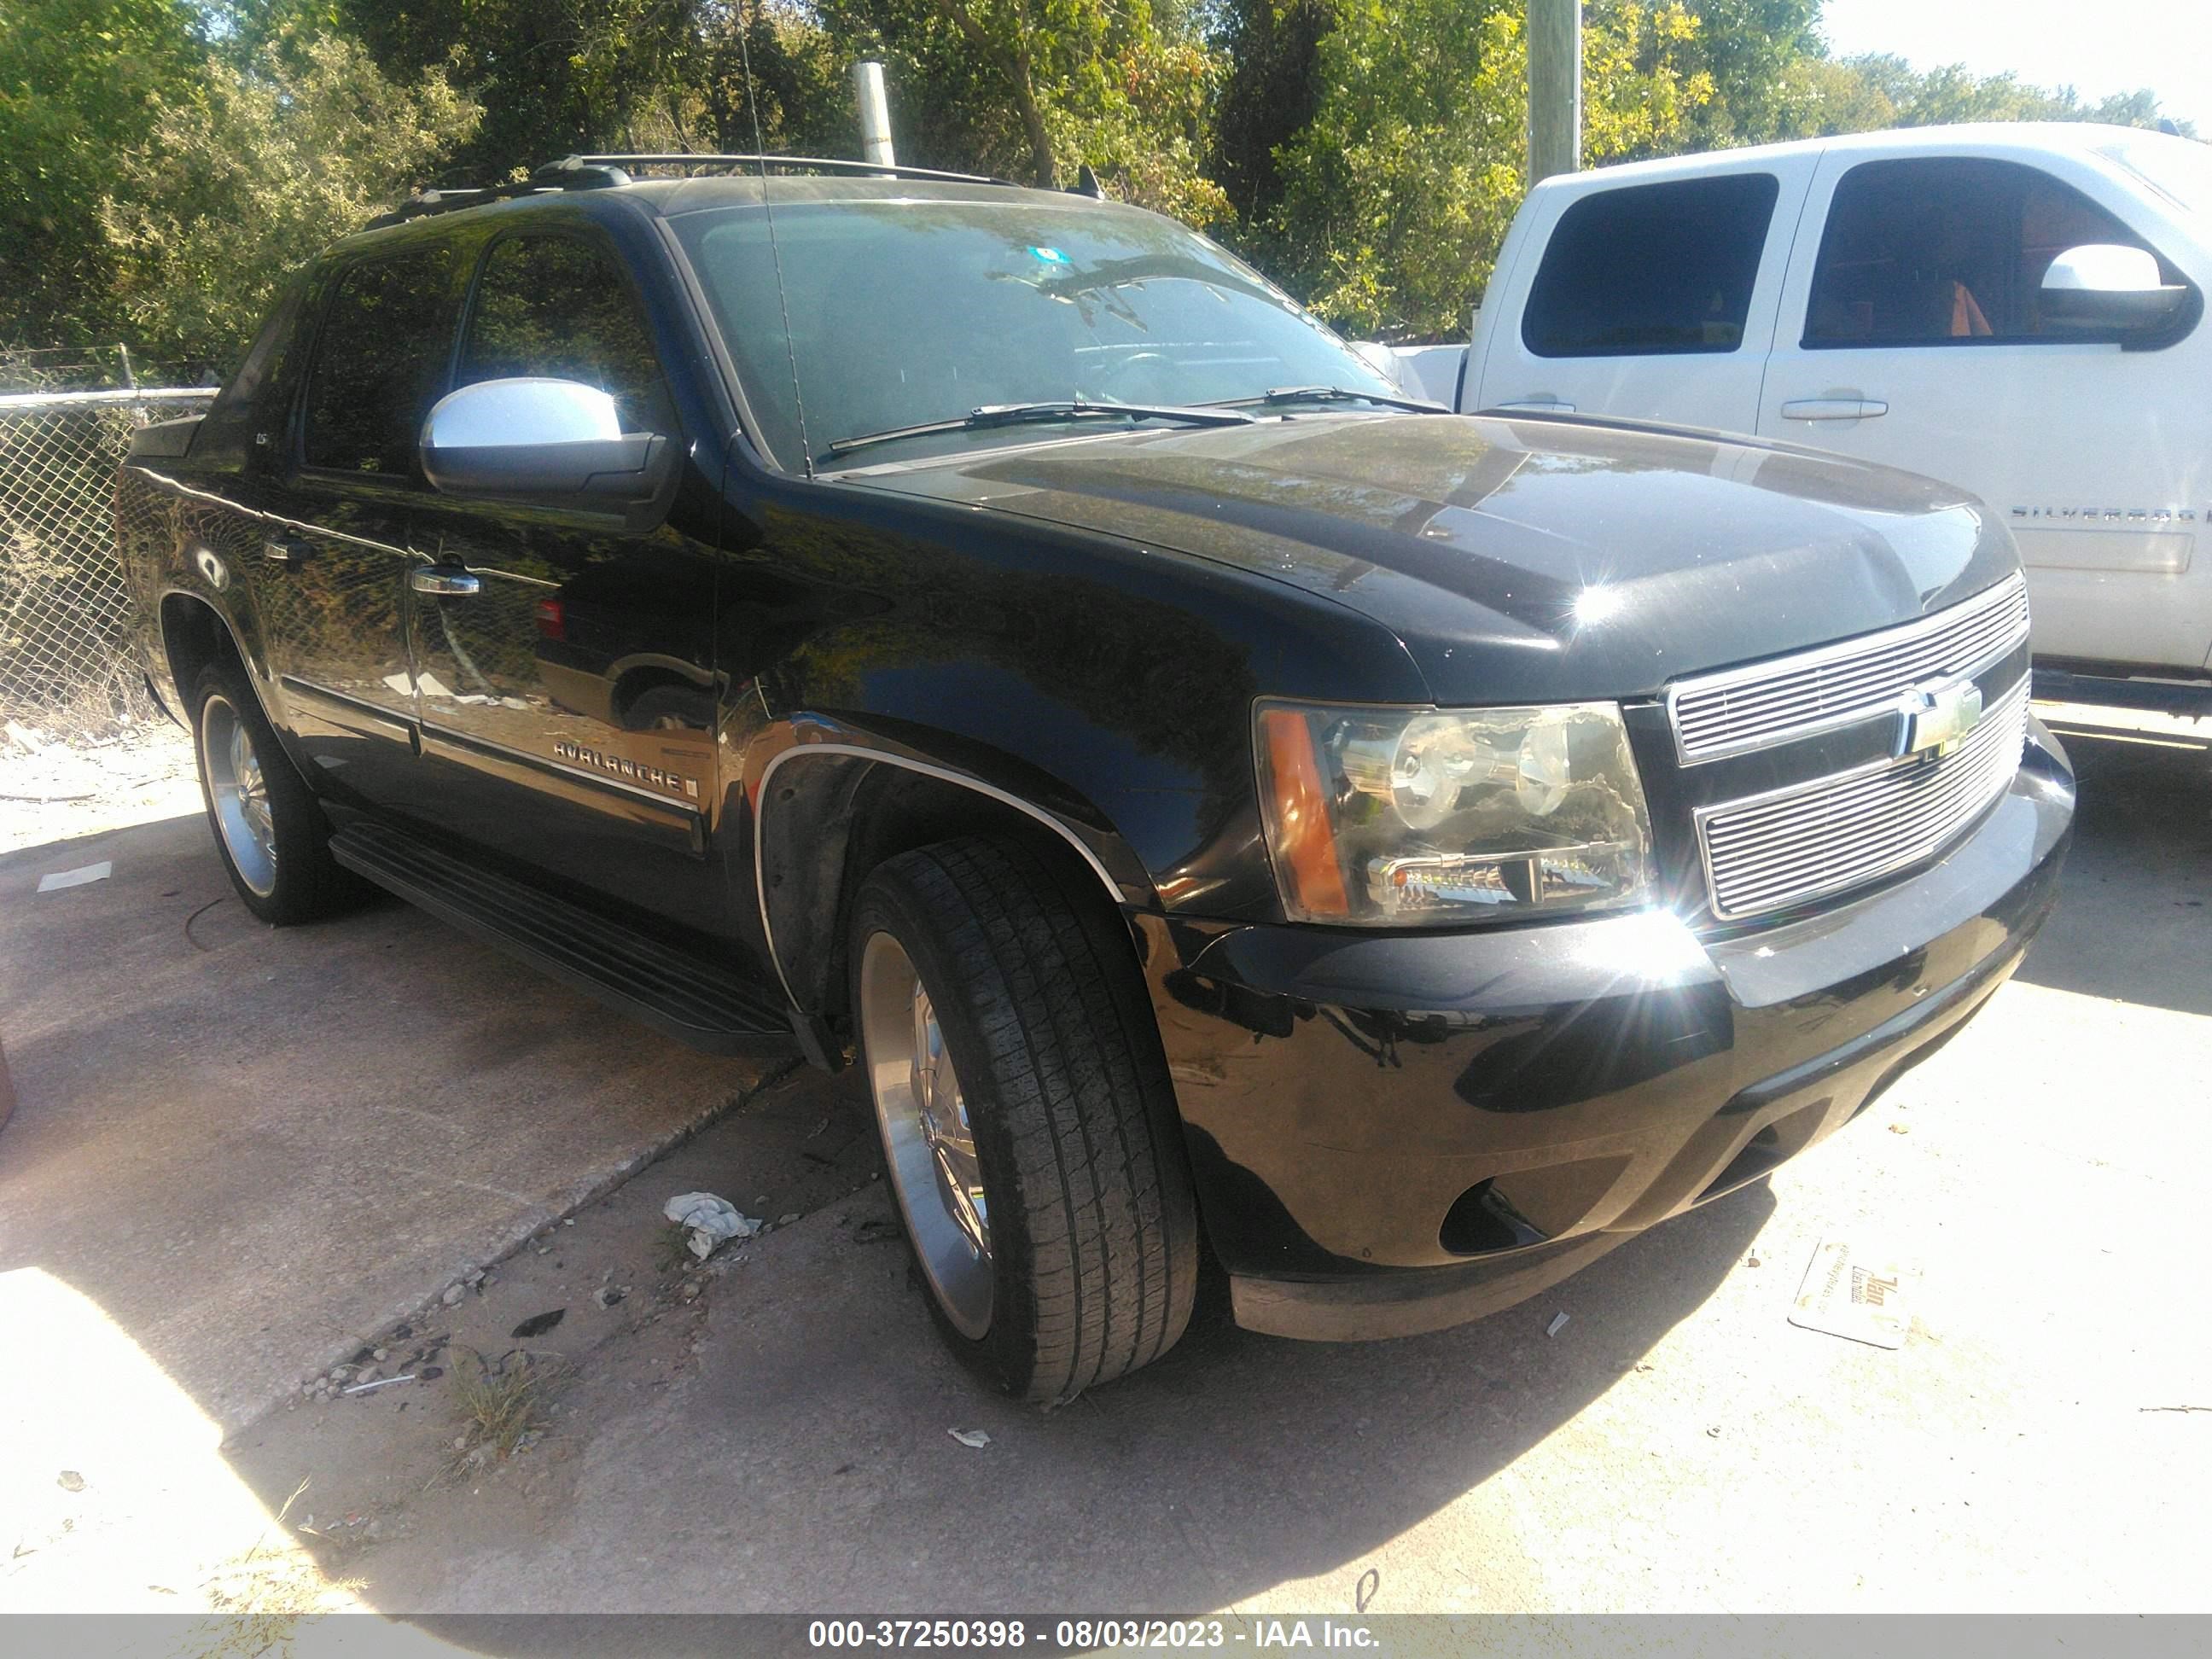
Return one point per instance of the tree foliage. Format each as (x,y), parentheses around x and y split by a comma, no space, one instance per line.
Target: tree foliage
(1398,192)
(173,160)
(304,141)
(81,82)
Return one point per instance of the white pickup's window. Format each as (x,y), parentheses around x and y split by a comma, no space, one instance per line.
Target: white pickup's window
(1652,270)
(1945,251)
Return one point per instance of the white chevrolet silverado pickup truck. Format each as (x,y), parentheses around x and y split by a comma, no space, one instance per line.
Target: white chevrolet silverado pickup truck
(2017,310)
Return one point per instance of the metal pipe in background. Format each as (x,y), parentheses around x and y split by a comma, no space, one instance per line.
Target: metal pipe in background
(875,114)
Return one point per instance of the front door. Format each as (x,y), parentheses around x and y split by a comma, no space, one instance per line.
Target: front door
(563,662)
(339,491)
(1653,300)
(1912,335)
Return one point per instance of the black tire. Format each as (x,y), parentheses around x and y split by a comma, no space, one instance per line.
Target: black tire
(670,709)
(304,882)
(1093,1228)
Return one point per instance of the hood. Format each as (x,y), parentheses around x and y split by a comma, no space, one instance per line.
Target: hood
(1521,560)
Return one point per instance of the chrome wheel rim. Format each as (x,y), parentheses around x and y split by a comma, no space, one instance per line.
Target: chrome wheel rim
(929,1142)
(240,792)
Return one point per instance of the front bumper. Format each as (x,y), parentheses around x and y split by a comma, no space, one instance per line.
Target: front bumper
(1391,1133)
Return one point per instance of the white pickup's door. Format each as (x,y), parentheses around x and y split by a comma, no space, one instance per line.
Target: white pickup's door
(1910,334)
(1655,300)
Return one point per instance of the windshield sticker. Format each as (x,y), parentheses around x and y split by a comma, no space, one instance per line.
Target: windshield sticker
(1051,256)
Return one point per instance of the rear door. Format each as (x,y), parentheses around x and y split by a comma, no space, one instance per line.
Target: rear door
(1912,335)
(563,662)
(1656,301)
(334,553)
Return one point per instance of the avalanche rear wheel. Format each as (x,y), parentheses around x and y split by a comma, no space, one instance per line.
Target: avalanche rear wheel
(269,828)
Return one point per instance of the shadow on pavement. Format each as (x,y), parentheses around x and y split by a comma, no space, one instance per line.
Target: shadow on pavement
(2134,921)
(807,1465)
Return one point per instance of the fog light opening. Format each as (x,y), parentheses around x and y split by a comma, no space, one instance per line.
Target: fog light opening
(1481,1220)
(1774,1144)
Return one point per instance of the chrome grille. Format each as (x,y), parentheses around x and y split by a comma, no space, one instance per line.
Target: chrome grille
(1770,851)
(1776,702)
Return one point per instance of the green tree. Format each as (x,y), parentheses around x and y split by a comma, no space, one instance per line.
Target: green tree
(1269,92)
(1758,53)
(1880,90)
(1032,88)
(523,61)
(80,81)
(302,144)
(1398,192)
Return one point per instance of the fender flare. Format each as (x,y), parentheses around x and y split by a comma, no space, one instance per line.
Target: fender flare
(225,624)
(1131,890)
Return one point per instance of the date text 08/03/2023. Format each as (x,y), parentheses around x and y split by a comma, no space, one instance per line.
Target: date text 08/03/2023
(1084,1635)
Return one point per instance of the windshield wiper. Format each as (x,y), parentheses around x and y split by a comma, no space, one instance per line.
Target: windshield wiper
(1331,394)
(1071,409)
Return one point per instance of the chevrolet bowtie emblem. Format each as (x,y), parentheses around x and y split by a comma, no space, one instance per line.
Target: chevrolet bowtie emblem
(1935,718)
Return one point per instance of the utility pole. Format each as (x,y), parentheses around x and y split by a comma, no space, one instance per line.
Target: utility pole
(1555,87)
(875,114)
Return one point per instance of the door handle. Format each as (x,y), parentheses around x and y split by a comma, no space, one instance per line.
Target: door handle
(284,549)
(1536,406)
(1833,409)
(447,584)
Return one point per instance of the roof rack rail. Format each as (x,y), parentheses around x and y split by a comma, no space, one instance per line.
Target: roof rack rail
(792,163)
(611,172)
(561,176)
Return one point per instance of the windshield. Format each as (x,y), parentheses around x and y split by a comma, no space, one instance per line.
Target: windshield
(2178,168)
(904,312)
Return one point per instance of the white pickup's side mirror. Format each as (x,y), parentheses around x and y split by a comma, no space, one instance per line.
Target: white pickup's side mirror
(1383,361)
(2108,285)
(541,439)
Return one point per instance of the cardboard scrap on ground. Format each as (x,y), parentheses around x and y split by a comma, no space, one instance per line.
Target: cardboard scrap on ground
(58,880)
(1850,1295)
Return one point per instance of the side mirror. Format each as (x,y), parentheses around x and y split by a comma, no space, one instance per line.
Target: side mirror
(2105,285)
(1383,361)
(554,442)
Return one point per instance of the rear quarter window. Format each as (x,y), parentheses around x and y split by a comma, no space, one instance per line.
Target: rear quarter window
(1652,270)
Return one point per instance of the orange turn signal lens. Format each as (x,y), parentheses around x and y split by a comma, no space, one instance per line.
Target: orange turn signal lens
(1305,840)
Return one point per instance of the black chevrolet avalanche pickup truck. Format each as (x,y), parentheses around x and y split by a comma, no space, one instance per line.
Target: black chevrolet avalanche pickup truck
(1232,812)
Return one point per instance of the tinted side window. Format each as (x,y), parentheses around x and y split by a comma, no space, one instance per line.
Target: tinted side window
(556,306)
(378,363)
(1939,251)
(1652,269)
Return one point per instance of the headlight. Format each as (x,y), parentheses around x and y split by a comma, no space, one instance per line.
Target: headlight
(1423,818)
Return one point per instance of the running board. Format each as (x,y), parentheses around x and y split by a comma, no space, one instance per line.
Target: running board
(693,999)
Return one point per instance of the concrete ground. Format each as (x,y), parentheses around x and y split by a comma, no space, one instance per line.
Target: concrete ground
(239,1152)
(769,1432)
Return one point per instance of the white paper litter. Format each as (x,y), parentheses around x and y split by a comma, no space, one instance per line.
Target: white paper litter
(380,1382)
(711,1220)
(973,1438)
(1558,1321)
(77,878)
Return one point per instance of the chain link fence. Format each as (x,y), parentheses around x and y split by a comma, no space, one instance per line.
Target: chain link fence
(66,661)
